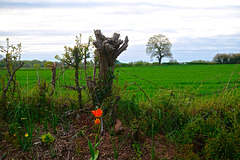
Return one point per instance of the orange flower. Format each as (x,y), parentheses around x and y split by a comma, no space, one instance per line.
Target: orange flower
(97,121)
(97,113)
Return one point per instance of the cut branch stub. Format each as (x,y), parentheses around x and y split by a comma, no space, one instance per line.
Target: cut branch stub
(113,46)
(108,49)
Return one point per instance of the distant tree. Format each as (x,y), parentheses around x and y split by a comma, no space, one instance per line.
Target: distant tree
(173,60)
(217,58)
(27,64)
(234,58)
(48,64)
(2,62)
(36,66)
(159,46)
(224,58)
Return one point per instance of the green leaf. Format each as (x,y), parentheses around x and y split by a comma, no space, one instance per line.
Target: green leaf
(96,154)
(95,146)
(91,148)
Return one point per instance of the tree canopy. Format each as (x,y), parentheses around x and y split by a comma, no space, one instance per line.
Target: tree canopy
(224,58)
(159,46)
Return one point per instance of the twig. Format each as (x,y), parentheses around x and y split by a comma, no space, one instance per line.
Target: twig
(61,73)
(140,89)
(73,88)
(102,130)
(231,76)
(74,112)
(3,156)
(38,77)
(11,79)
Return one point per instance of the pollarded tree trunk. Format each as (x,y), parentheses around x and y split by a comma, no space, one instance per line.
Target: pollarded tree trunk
(108,49)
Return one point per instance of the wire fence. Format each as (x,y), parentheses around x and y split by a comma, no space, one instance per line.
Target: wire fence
(227,87)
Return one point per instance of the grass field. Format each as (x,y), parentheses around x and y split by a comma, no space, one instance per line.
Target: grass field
(192,78)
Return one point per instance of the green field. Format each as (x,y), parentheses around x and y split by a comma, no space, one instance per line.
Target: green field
(198,79)
(195,78)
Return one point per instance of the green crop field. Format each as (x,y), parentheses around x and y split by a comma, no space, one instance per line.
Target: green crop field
(192,78)
(195,78)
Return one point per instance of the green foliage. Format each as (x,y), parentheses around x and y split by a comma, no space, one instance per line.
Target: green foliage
(197,62)
(12,54)
(211,127)
(34,63)
(117,148)
(2,63)
(75,55)
(48,64)
(139,63)
(137,149)
(93,148)
(232,58)
(10,89)
(21,127)
(47,138)
(202,126)
(159,46)
(36,66)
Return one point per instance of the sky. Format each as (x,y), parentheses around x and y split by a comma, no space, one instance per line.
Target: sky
(197,29)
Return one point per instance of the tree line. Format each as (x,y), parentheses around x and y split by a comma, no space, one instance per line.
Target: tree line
(218,59)
(27,63)
(224,58)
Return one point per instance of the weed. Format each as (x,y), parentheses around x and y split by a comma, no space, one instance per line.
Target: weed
(137,149)
(47,139)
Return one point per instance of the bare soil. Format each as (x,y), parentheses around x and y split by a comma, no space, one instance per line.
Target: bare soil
(71,144)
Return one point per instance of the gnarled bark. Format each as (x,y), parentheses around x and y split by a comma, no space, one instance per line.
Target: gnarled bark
(108,49)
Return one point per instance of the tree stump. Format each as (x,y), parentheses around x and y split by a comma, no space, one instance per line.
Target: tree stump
(108,49)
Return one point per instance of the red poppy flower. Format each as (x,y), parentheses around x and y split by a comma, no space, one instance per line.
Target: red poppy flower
(97,121)
(97,113)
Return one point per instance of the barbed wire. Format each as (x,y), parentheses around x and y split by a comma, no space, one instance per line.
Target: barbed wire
(191,93)
(224,89)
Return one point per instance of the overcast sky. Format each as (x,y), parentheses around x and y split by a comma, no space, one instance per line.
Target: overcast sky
(197,29)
